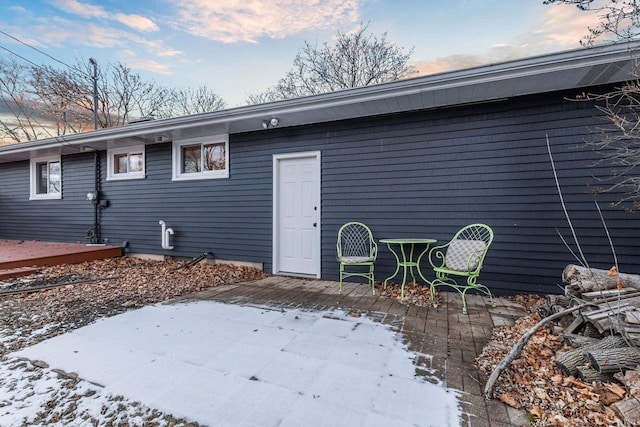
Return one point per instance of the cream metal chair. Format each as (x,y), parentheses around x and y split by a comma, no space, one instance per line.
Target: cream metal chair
(356,248)
(462,257)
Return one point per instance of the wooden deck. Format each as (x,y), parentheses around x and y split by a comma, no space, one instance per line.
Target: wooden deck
(20,257)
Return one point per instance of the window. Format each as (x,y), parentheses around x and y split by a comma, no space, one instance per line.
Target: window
(125,163)
(46,178)
(201,158)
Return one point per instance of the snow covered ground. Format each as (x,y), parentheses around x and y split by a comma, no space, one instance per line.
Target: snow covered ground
(35,396)
(228,365)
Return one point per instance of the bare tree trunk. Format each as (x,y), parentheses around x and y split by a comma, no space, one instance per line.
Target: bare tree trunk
(613,359)
(569,361)
(590,375)
(583,279)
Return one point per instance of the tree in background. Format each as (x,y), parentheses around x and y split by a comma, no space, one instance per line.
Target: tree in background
(185,102)
(43,101)
(20,112)
(619,19)
(356,59)
(618,139)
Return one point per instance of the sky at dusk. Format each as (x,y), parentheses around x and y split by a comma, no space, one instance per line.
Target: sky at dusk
(242,47)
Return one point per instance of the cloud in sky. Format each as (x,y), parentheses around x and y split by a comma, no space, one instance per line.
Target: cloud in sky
(18,9)
(132,60)
(566,24)
(561,26)
(247,20)
(149,65)
(61,31)
(136,22)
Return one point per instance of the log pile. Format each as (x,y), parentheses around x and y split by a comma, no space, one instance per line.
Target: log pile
(604,333)
(580,348)
(620,316)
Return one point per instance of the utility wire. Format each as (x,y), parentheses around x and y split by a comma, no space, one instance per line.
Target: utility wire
(21,57)
(61,139)
(39,51)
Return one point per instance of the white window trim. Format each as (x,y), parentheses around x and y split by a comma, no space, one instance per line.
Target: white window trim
(177,175)
(33,181)
(111,152)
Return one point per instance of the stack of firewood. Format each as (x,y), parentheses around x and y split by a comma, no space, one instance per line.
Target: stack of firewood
(604,333)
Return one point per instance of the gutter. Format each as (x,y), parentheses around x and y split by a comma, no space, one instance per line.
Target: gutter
(584,58)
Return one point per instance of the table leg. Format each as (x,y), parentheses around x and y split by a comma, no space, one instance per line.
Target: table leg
(397,265)
(407,262)
(404,266)
(426,250)
(410,263)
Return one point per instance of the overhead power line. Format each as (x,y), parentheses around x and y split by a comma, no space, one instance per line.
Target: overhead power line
(39,51)
(20,56)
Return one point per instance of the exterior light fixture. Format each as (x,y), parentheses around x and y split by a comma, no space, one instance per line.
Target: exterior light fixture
(266,124)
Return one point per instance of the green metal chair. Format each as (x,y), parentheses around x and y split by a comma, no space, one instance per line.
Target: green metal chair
(356,248)
(462,257)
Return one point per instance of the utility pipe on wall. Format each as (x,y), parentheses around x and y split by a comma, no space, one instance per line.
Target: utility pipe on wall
(166,233)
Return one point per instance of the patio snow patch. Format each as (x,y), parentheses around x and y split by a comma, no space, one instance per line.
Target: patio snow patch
(230,365)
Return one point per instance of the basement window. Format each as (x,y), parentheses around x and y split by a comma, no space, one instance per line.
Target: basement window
(201,158)
(125,163)
(46,178)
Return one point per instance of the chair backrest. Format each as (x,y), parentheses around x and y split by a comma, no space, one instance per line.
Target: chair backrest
(355,240)
(467,249)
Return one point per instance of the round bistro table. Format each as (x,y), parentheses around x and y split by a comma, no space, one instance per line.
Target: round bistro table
(404,250)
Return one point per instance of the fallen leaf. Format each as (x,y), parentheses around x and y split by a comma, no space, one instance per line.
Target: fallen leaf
(615,388)
(613,271)
(537,411)
(556,380)
(606,396)
(510,400)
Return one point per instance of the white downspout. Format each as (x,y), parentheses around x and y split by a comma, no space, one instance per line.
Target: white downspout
(166,232)
(169,232)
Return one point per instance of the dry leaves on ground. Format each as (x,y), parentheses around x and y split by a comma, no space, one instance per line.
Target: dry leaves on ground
(414,294)
(533,382)
(102,288)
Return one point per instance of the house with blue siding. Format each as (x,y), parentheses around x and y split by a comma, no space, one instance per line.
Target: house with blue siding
(271,184)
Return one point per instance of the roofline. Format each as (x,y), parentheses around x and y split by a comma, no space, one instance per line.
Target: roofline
(530,66)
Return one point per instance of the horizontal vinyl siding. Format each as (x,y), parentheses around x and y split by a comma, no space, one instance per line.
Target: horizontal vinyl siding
(422,174)
(230,217)
(428,174)
(64,220)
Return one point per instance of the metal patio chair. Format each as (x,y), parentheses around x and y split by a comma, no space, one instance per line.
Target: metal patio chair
(462,258)
(357,249)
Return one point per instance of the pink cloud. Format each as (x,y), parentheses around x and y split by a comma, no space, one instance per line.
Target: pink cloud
(136,22)
(82,9)
(561,27)
(247,20)
(152,66)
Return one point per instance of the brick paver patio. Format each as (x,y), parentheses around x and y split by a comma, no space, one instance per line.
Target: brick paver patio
(451,338)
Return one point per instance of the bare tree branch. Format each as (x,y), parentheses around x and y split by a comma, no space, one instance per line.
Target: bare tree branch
(43,101)
(356,59)
(193,101)
(619,19)
(618,139)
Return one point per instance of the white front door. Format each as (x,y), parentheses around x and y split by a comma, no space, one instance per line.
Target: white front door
(296,222)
